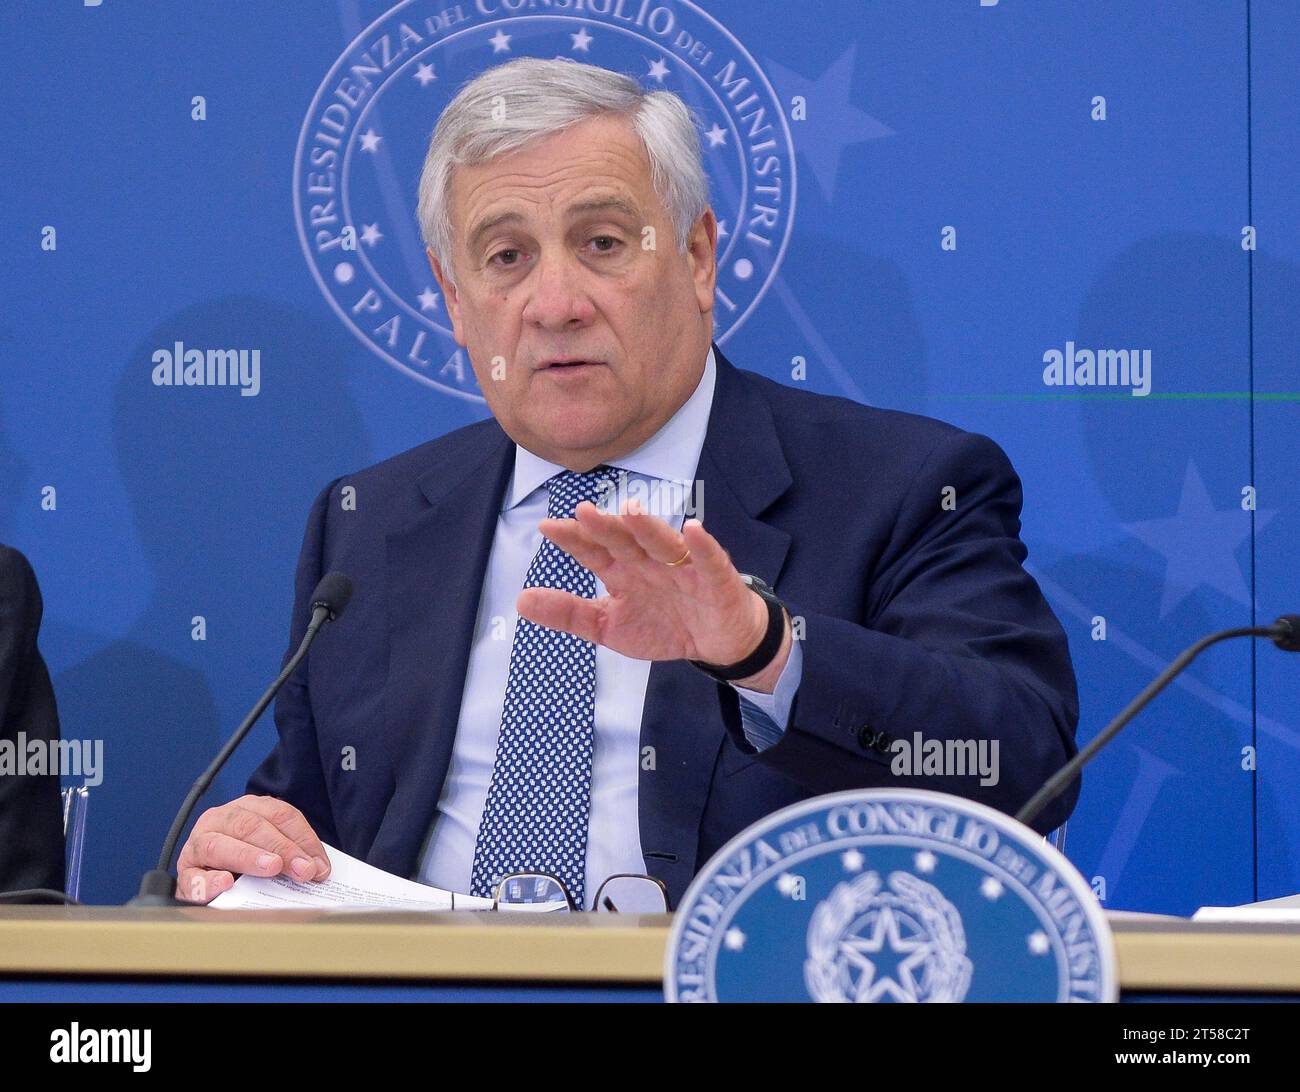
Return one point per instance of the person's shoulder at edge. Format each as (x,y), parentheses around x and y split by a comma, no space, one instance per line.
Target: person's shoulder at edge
(16,576)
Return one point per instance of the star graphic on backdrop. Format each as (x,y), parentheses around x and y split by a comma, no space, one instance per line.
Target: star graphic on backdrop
(658,70)
(1038,943)
(716,136)
(722,228)
(581,40)
(734,939)
(786,883)
(371,235)
(428,300)
(909,953)
(991,889)
(370,141)
(1199,544)
(424,74)
(500,42)
(852,860)
(926,861)
(833,121)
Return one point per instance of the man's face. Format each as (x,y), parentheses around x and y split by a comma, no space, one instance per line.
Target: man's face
(551,265)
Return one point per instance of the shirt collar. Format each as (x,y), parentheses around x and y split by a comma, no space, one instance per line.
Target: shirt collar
(671,455)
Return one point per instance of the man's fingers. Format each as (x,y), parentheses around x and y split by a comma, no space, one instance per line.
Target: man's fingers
(575,542)
(214,849)
(235,836)
(288,819)
(610,532)
(202,885)
(250,826)
(708,557)
(655,537)
(561,610)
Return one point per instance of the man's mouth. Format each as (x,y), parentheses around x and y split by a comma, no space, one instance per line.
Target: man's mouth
(568,364)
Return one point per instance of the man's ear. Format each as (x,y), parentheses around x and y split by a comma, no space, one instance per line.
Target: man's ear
(702,253)
(449,295)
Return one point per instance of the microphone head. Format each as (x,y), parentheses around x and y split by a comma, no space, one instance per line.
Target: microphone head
(332,593)
(1286,633)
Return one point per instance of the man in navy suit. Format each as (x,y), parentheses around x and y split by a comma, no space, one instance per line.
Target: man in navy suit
(547,665)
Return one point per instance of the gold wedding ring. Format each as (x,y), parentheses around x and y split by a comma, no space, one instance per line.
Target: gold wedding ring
(681,560)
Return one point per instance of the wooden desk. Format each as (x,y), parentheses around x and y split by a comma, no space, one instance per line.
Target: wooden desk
(582,953)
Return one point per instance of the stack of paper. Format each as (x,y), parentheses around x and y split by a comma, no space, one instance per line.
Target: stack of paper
(352,885)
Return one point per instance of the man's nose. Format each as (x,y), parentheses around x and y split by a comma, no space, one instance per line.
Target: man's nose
(557,299)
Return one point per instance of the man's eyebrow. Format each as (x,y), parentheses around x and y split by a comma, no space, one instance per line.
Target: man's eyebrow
(598,204)
(487,225)
(604,204)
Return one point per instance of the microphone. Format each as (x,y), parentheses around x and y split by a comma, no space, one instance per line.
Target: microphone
(1289,641)
(328,602)
(333,593)
(1285,633)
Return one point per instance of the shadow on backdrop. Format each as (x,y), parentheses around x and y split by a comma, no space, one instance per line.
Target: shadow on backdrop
(220,485)
(885,364)
(1169,801)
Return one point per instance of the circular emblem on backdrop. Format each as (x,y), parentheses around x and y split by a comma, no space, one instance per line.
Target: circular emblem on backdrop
(889,895)
(365,135)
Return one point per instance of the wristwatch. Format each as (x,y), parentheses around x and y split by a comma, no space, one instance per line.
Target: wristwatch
(767,648)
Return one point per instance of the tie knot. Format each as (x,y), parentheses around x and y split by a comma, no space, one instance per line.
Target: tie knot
(569,489)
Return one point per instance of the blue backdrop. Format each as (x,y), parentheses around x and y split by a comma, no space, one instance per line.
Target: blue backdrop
(958,188)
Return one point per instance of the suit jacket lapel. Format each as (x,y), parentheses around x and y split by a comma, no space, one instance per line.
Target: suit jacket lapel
(435,570)
(743,472)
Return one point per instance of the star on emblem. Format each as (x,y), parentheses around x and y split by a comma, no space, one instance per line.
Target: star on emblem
(371,235)
(734,939)
(885,943)
(991,889)
(370,141)
(500,42)
(424,74)
(658,70)
(852,860)
(428,300)
(786,883)
(716,135)
(1038,943)
(581,40)
(925,861)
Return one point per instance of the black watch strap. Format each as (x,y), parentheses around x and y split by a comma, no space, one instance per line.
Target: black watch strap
(767,648)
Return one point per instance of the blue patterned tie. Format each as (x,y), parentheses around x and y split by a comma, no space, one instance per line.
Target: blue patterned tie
(535,818)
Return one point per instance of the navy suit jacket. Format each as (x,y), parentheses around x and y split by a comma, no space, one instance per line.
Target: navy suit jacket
(918,618)
(31,812)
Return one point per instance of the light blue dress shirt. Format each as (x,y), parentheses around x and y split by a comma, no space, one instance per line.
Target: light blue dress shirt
(668,462)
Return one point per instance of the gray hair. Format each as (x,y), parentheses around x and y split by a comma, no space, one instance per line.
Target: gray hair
(542,98)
